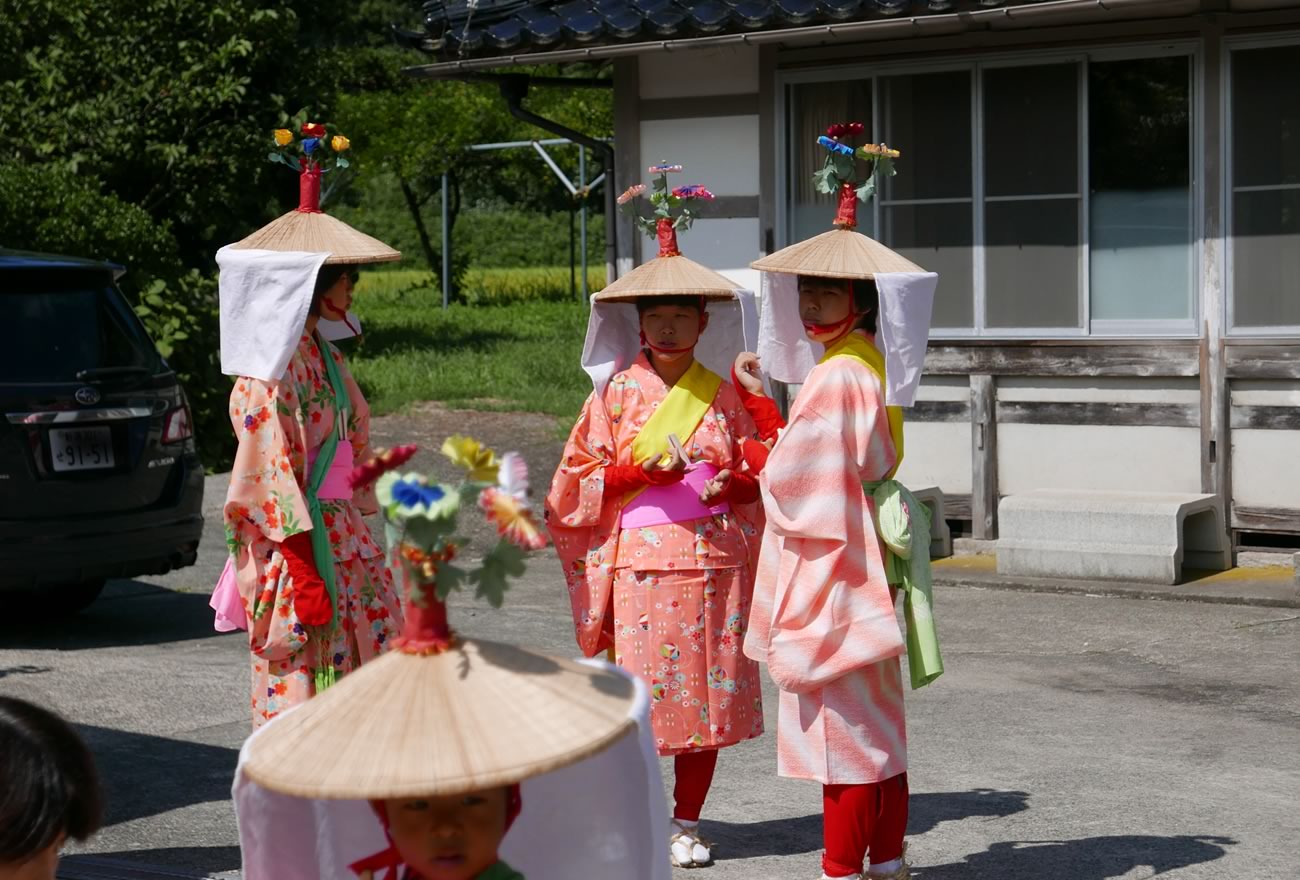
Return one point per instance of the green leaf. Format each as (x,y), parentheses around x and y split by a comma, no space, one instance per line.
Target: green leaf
(450,577)
(824,181)
(868,189)
(843,166)
(492,579)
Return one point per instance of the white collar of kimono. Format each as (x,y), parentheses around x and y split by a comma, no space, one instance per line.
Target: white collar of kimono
(614,337)
(903,331)
(265,297)
(622,827)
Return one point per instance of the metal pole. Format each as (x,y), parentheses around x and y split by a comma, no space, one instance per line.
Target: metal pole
(582,224)
(446,247)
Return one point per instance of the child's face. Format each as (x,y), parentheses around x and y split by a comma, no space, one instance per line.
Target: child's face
(455,837)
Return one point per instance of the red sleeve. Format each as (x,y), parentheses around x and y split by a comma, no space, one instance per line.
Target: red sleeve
(623,478)
(762,409)
(740,489)
(755,455)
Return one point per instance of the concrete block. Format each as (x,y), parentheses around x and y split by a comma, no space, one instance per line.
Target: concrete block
(940,534)
(1104,535)
(1296,562)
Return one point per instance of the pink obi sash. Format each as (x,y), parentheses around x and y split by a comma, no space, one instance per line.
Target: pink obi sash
(226,602)
(335,487)
(675,503)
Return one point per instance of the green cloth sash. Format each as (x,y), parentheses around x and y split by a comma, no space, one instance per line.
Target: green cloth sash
(320,542)
(500,871)
(903,523)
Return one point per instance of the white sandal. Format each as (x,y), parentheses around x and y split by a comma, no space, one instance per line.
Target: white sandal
(902,872)
(687,849)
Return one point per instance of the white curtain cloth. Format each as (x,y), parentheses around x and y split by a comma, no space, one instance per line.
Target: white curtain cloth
(265,297)
(903,331)
(614,337)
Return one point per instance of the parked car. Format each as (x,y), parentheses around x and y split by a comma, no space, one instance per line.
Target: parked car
(99,474)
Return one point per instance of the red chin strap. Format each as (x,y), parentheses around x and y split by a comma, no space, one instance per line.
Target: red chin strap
(838,328)
(391,860)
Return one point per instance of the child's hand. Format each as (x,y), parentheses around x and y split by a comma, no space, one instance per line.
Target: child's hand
(715,487)
(747,373)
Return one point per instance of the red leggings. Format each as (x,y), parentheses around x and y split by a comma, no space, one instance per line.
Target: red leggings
(861,819)
(694,775)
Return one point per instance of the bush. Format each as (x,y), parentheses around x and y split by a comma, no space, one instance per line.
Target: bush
(483,287)
(483,237)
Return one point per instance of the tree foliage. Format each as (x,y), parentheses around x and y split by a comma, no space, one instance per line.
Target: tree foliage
(138,131)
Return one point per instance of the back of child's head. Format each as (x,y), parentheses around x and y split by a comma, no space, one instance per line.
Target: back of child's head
(49,789)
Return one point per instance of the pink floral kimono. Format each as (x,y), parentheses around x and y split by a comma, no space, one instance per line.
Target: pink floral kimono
(277,423)
(673,599)
(823,616)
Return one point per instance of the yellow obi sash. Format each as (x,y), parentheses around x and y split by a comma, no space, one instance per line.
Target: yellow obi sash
(859,348)
(680,413)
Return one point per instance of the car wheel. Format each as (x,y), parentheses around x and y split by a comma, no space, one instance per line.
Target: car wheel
(72,598)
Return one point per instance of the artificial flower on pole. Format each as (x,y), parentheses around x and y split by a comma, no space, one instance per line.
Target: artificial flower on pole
(672,206)
(839,174)
(420,518)
(313,152)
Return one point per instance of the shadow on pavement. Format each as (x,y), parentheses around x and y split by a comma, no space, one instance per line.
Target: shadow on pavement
(24,669)
(185,862)
(128,613)
(785,837)
(1090,858)
(146,775)
(926,810)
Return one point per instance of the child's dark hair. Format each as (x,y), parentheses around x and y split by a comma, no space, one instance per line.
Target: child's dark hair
(326,278)
(48,784)
(866,301)
(645,303)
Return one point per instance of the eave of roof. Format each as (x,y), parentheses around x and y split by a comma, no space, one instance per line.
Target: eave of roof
(1018,13)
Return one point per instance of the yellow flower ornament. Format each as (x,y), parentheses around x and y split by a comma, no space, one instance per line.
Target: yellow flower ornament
(283,136)
(479,461)
(339,143)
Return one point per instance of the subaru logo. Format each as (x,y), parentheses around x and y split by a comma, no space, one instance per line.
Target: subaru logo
(87,396)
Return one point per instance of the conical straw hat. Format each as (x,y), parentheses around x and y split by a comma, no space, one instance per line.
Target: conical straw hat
(312,231)
(840,253)
(477,715)
(669,276)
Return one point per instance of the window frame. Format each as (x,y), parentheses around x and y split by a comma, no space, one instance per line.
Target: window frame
(1231,45)
(1191,48)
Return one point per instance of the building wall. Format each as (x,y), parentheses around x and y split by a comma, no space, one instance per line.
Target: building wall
(1217,414)
(700,109)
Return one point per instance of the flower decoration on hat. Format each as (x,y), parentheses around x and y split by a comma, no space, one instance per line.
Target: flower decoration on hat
(840,173)
(420,518)
(672,207)
(311,152)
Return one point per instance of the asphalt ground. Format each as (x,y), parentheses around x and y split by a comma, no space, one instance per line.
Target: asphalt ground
(1073,736)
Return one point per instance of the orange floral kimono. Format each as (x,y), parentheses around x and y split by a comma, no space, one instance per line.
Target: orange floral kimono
(277,423)
(673,600)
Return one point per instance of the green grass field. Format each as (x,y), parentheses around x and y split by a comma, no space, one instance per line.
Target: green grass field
(523,355)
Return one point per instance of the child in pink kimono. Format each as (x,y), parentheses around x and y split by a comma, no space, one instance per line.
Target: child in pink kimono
(823,619)
(654,520)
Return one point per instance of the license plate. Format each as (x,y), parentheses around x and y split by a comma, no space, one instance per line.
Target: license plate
(81,449)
